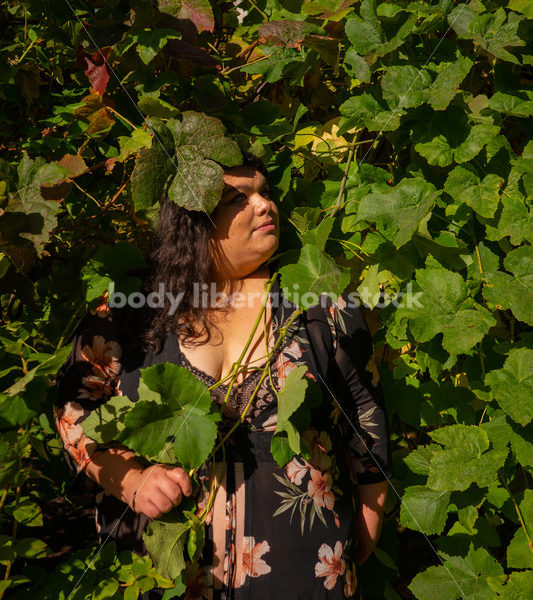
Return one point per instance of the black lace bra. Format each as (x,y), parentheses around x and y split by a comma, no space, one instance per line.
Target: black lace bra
(241,393)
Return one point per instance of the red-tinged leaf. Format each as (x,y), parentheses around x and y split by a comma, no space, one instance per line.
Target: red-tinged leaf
(98,70)
(74,164)
(288,34)
(197,11)
(95,113)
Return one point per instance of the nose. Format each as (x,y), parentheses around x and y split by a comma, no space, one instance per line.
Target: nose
(261,204)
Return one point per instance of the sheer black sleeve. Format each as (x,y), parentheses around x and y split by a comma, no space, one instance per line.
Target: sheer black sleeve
(364,421)
(90,377)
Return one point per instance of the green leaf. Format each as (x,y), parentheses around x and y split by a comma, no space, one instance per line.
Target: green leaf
(445,87)
(130,145)
(516,293)
(464,185)
(516,221)
(155,107)
(366,111)
(453,470)
(290,398)
(520,583)
(105,422)
(146,187)
(149,42)
(448,136)
(459,577)
(522,6)
(424,509)
(407,86)
(512,385)
(195,436)
(400,210)
(31,548)
(519,555)
(281,449)
(108,271)
(29,219)
(177,405)
(200,146)
(314,274)
(164,539)
(26,512)
(364,36)
(448,309)
(419,460)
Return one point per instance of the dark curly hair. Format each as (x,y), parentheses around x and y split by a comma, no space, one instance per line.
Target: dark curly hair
(181,257)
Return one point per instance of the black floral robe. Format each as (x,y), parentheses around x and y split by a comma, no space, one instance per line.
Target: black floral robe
(272,532)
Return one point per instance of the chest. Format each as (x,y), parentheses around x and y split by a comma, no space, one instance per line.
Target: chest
(217,356)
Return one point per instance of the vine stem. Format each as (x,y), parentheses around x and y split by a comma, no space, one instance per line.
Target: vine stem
(121,117)
(238,422)
(236,365)
(518,512)
(338,202)
(250,63)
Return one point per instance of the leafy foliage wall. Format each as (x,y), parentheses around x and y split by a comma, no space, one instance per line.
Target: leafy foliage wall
(398,135)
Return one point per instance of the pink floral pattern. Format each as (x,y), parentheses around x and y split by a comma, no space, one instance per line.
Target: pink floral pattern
(253,565)
(76,443)
(330,564)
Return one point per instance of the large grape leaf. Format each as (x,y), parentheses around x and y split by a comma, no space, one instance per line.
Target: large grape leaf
(200,146)
(459,577)
(174,395)
(447,309)
(503,291)
(464,185)
(164,539)
(401,210)
(424,509)
(512,386)
(464,460)
(314,273)
(449,137)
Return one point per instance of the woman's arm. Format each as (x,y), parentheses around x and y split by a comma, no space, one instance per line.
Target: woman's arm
(91,376)
(369,517)
(364,421)
(150,490)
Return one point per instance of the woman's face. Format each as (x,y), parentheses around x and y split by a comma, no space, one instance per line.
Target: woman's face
(246,220)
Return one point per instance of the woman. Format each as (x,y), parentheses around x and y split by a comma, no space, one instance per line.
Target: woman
(291,532)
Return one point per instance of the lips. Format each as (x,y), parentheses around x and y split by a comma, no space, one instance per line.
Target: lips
(266,226)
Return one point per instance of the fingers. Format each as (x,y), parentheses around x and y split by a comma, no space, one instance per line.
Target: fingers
(181,477)
(161,489)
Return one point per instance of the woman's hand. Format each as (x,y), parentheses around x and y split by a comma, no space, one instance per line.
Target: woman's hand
(149,490)
(369,517)
(155,490)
